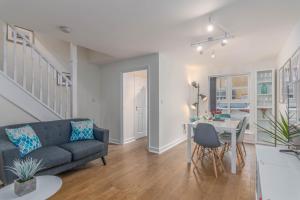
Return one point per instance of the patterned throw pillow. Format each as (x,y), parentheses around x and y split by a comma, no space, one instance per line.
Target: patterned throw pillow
(24,138)
(82,130)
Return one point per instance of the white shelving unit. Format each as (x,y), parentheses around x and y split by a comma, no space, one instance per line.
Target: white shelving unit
(265,101)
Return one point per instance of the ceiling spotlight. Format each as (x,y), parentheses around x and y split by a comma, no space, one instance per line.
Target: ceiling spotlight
(199,48)
(210,27)
(224,42)
(65,29)
(213,55)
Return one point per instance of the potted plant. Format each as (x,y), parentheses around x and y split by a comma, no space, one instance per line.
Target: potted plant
(280,130)
(25,171)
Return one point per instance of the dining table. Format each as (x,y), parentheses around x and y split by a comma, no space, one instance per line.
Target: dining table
(228,125)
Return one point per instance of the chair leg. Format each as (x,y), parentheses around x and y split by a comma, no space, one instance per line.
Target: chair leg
(202,153)
(219,160)
(195,148)
(227,147)
(214,163)
(223,151)
(244,148)
(240,154)
(103,160)
(198,149)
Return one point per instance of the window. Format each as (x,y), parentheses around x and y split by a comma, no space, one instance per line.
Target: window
(231,95)
(221,93)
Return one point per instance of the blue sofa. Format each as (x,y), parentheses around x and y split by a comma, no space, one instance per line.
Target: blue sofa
(57,152)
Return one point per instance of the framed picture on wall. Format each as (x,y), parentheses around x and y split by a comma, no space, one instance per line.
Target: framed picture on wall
(280,82)
(29,35)
(286,79)
(62,81)
(295,66)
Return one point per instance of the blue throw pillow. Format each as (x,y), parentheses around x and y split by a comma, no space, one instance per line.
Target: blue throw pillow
(82,130)
(24,138)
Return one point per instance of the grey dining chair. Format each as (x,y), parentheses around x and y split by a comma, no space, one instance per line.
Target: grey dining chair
(207,144)
(226,139)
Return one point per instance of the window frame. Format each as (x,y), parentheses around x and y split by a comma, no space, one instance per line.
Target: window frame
(229,88)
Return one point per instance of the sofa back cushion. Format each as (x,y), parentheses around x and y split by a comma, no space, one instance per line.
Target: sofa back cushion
(24,138)
(50,133)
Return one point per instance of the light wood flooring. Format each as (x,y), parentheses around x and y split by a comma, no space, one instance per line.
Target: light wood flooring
(133,173)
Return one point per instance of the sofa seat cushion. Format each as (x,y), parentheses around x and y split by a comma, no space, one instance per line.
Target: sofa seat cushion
(51,156)
(82,149)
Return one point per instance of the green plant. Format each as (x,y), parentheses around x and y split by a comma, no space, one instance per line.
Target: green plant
(280,130)
(25,169)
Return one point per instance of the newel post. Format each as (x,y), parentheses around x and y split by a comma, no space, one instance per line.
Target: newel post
(74,61)
(4,50)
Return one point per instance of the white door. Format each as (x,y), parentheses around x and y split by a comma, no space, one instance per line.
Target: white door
(140,90)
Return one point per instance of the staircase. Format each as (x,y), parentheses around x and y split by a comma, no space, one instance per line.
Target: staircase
(30,81)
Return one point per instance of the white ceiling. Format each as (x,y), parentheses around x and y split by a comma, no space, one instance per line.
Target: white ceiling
(126,28)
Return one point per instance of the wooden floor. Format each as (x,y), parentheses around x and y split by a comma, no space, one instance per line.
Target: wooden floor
(133,173)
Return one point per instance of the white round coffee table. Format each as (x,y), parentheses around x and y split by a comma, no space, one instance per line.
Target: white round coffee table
(46,186)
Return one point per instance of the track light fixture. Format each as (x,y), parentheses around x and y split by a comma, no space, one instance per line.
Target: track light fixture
(199,48)
(210,27)
(213,55)
(224,42)
(223,38)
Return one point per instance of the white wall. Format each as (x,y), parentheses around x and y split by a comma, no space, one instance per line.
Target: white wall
(173,98)
(88,88)
(111,95)
(11,114)
(290,46)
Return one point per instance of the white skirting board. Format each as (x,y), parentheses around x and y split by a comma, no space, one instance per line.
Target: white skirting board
(128,140)
(117,141)
(114,141)
(153,149)
(167,146)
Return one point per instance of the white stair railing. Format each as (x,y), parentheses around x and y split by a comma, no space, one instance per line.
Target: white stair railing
(24,64)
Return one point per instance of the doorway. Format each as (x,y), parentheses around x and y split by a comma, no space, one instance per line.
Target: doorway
(135,105)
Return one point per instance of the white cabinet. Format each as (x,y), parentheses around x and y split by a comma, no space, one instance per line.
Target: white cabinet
(265,102)
(278,174)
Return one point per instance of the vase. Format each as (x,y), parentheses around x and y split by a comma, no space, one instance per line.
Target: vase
(264,89)
(22,188)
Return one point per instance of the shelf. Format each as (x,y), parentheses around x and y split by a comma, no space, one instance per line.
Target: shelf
(264,81)
(267,107)
(264,94)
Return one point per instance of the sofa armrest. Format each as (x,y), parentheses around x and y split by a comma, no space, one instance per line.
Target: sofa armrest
(101,134)
(8,153)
